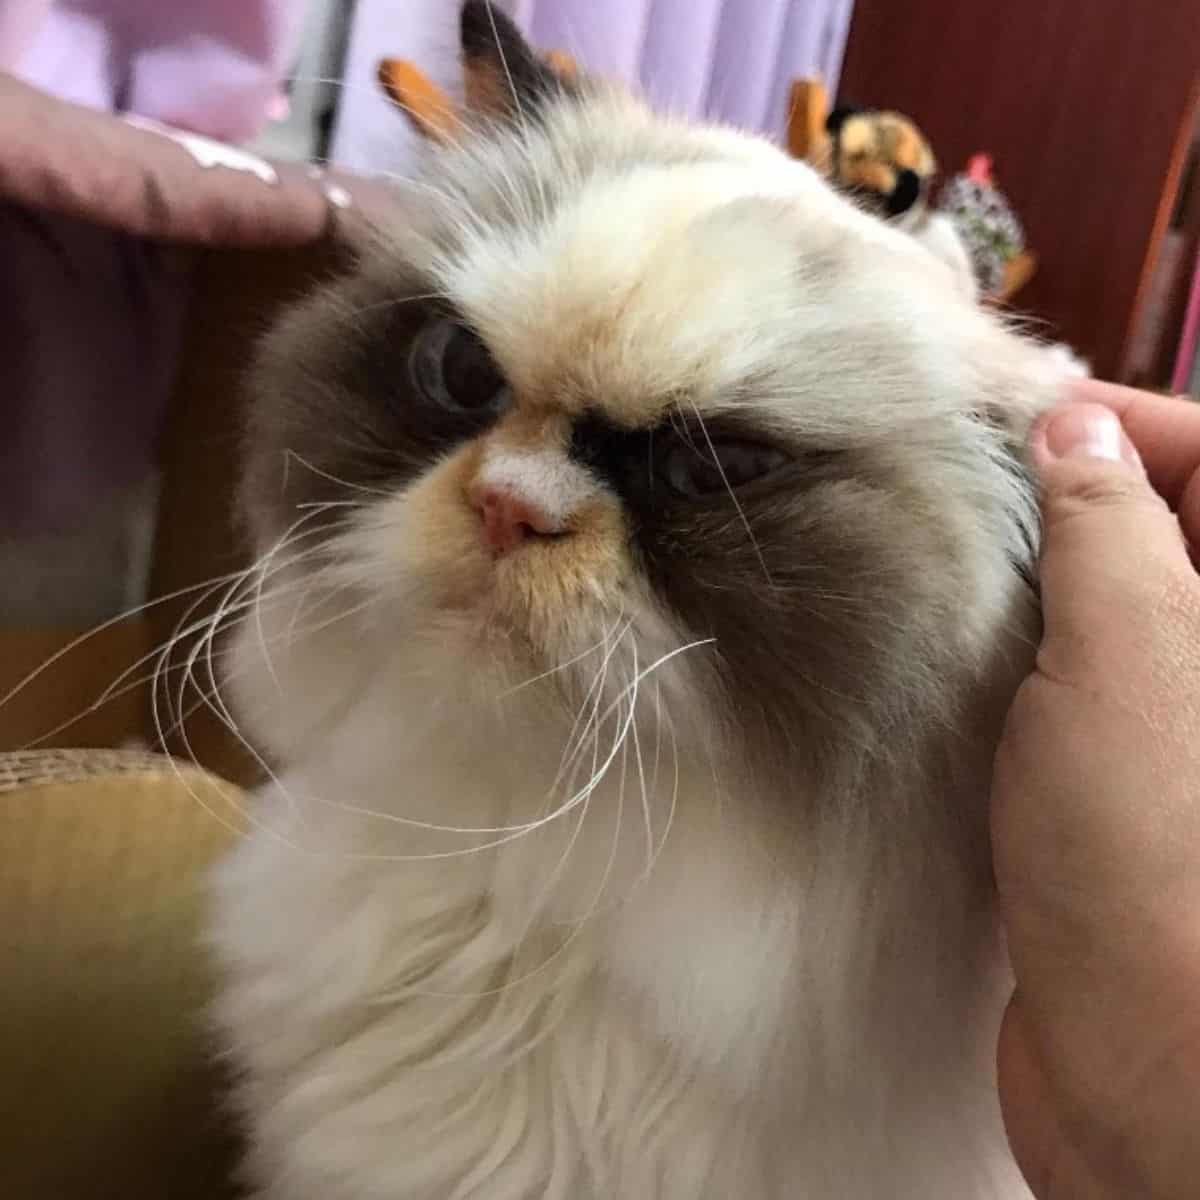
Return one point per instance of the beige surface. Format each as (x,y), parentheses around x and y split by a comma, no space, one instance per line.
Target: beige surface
(107,1086)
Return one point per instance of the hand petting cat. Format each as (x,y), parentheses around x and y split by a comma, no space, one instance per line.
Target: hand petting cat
(1096,811)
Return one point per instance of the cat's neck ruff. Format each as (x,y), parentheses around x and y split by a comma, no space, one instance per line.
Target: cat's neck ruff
(554,959)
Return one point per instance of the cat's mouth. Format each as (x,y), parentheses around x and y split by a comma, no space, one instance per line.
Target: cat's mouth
(529,545)
(527,599)
(547,577)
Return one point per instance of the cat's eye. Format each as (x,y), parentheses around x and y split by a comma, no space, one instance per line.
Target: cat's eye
(449,366)
(697,468)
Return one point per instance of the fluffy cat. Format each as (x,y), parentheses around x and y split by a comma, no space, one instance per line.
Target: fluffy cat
(646,568)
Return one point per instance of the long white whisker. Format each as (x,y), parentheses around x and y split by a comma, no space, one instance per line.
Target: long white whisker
(670,821)
(290,454)
(112,691)
(156,716)
(572,747)
(649,824)
(128,614)
(263,570)
(654,666)
(741,512)
(394,301)
(504,63)
(511,832)
(594,906)
(570,662)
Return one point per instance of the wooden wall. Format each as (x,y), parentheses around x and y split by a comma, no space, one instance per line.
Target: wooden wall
(1081,102)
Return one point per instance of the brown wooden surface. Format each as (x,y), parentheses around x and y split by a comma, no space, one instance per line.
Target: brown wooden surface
(55,706)
(1160,331)
(1079,101)
(237,293)
(1150,355)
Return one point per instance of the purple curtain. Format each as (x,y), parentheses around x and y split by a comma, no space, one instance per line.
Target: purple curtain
(93,317)
(729,60)
(211,66)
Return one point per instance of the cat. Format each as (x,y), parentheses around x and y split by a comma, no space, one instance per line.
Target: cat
(647,563)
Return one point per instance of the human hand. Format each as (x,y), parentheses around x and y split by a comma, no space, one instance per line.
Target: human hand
(1096,813)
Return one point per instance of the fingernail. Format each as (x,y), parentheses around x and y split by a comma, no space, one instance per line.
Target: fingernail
(1083,430)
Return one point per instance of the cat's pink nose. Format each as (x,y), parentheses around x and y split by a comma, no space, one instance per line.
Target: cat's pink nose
(509,519)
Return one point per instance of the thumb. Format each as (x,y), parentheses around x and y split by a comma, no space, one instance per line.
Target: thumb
(1112,551)
(1096,829)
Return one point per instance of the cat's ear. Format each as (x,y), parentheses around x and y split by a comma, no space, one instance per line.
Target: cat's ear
(504,76)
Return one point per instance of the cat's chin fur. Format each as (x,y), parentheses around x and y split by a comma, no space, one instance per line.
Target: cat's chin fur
(784,1008)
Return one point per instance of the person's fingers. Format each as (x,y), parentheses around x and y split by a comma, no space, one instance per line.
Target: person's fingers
(1095,824)
(1028,1105)
(1047,1153)
(1165,430)
(1166,433)
(1110,545)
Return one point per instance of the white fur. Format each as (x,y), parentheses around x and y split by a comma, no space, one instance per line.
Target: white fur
(936,232)
(711,1030)
(546,478)
(467,963)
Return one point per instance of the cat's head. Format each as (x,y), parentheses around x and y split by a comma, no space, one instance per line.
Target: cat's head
(617,385)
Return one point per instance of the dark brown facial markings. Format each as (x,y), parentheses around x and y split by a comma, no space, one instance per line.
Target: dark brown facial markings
(824,575)
(818,572)
(798,574)
(357,393)
(363,388)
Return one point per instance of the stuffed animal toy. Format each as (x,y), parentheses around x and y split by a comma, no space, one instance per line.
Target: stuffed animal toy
(985,220)
(883,159)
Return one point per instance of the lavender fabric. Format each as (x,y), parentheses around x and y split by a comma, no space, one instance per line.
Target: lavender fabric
(89,317)
(369,134)
(89,334)
(211,66)
(729,60)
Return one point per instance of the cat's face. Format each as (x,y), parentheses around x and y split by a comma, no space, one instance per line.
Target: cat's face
(609,373)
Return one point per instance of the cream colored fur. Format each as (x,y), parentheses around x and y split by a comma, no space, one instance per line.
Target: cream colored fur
(517,919)
(937,234)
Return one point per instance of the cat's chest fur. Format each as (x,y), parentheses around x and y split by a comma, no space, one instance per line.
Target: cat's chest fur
(705,1031)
